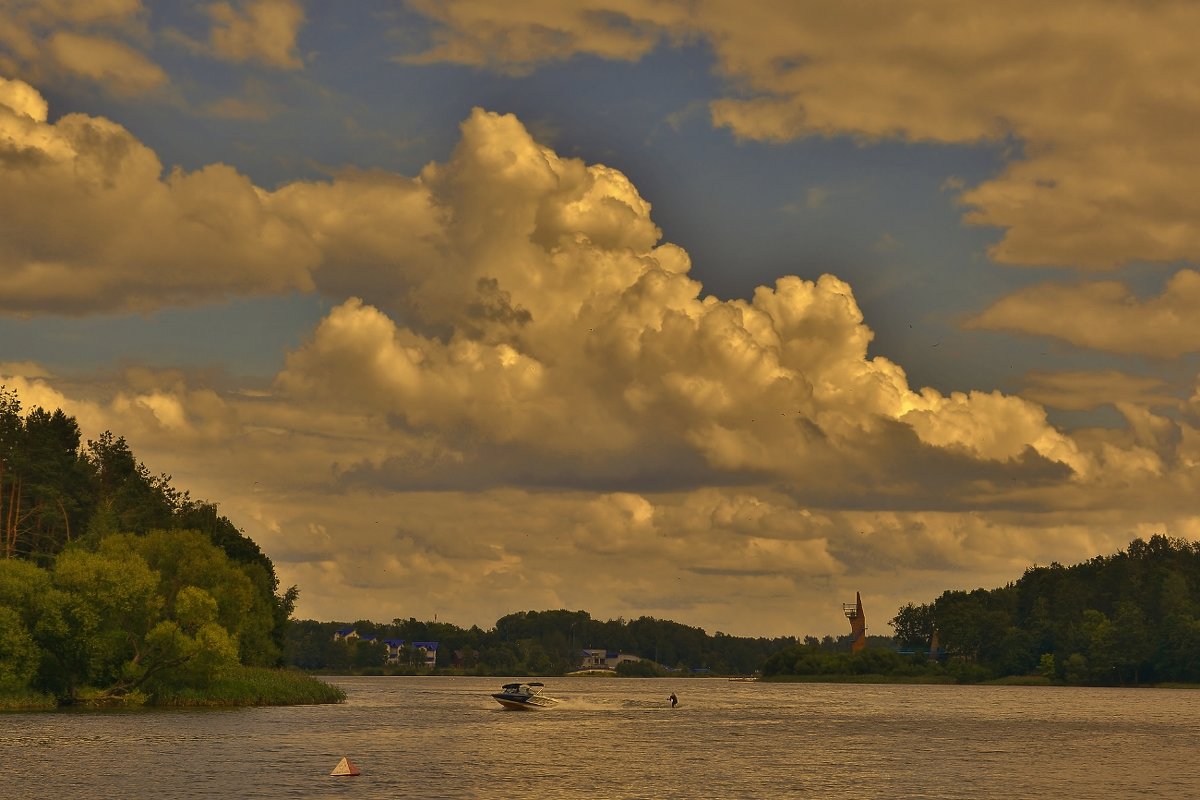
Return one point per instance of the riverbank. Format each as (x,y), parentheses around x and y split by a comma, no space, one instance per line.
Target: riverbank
(26,701)
(244,686)
(904,679)
(252,686)
(947,680)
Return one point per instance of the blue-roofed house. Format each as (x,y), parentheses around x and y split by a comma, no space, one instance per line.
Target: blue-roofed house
(426,651)
(429,650)
(600,658)
(592,658)
(394,646)
(344,633)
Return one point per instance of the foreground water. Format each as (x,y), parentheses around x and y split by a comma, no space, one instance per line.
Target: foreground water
(619,738)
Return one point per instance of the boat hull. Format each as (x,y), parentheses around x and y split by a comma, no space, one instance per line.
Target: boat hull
(523,702)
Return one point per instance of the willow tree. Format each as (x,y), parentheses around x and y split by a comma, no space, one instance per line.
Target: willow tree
(122,618)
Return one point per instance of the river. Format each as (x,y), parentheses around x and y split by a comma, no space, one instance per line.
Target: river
(437,737)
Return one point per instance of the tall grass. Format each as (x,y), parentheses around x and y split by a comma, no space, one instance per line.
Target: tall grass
(25,700)
(255,686)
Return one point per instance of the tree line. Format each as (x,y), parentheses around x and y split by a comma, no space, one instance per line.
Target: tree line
(115,585)
(1123,619)
(1120,619)
(534,643)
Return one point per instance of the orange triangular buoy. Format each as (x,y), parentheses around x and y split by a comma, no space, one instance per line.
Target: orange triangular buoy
(344,767)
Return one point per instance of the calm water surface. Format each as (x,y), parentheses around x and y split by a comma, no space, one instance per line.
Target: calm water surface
(619,738)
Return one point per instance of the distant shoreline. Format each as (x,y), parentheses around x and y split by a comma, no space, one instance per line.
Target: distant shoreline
(948,680)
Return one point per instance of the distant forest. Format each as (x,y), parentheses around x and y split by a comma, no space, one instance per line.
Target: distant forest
(1126,619)
(1118,620)
(536,643)
(116,587)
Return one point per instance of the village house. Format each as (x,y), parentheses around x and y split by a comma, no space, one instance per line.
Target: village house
(600,658)
(426,651)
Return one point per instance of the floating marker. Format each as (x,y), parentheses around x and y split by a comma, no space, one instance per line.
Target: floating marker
(345,767)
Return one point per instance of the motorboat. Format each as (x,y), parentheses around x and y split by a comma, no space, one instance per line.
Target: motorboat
(523,695)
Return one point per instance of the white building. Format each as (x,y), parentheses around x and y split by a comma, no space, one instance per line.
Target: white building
(598,658)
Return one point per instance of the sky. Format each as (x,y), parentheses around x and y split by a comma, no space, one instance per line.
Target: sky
(711,311)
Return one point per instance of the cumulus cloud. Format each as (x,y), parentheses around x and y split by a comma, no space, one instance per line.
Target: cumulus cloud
(106,61)
(100,42)
(543,316)
(257,30)
(108,43)
(1103,119)
(89,222)
(697,555)
(1083,391)
(22,99)
(510,321)
(515,38)
(1105,315)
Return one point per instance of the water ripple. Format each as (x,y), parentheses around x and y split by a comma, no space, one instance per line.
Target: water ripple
(615,738)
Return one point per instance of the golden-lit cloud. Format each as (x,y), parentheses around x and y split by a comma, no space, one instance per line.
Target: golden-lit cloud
(22,100)
(519,387)
(1105,315)
(89,223)
(541,309)
(695,555)
(106,61)
(516,37)
(1083,391)
(1099,103)
(100,42)
(257,30)
(108,43)
(544,314)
